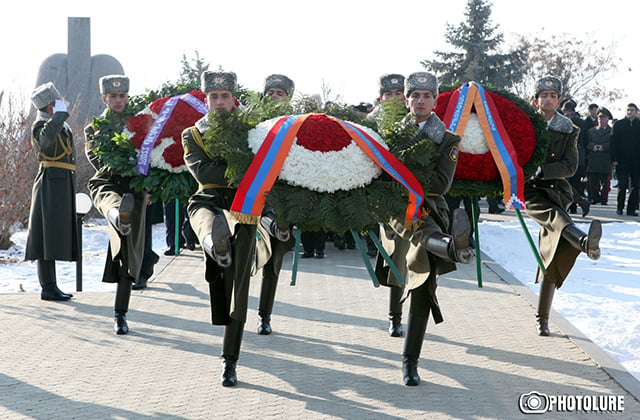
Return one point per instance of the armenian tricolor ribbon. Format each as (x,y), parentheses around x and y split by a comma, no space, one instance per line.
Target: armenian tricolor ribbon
(470,96)
(266,165)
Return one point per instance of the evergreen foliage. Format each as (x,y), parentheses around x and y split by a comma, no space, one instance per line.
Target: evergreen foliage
(477,55)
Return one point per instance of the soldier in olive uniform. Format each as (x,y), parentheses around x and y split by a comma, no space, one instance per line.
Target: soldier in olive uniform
(270,248)
(548,195)
(427,251)
(391,87)
(53,233)
(229,246)
(124,208)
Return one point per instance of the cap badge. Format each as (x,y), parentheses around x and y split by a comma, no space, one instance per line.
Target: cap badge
(219,79)
(116,83)
(422,79)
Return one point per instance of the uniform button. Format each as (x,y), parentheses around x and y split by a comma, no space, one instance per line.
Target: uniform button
(553,154)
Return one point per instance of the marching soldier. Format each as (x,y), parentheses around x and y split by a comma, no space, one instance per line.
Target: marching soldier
(548,196)
(428,251)
(53,233)
(278,87)
(124,209)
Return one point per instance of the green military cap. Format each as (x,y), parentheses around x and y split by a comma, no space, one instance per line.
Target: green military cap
(44,94)
(217,80)
(605,112)
(114,83)
(390,81)
(421,80)
(279,81)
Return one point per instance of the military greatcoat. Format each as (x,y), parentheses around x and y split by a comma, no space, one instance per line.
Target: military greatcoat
(53,233)
(125,253)
(228,288)
(406,247)
(549,196)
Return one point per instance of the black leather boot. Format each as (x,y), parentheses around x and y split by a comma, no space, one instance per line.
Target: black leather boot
(547,289)
(416,327)
(589,243)
(395,312)
(267,298)
(47,277)
(217,244)
(231,352)
(121,306)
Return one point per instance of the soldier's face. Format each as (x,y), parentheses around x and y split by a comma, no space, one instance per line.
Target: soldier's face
(548,101)
(393,93)
(421,102)
(116,101)
(220,100)
(277,94)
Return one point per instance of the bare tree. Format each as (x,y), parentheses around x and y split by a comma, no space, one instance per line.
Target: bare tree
(583,65)
(18,168)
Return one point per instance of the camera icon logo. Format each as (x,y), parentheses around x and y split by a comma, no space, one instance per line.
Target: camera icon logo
(533,403)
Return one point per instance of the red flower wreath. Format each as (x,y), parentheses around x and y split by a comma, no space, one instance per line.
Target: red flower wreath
(183,116)
(478,173)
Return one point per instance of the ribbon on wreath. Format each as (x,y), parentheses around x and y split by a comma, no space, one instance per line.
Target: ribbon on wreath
(263,171)
(471,96)
(144,156)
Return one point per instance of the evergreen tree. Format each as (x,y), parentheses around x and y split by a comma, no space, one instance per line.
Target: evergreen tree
(478,58)
(191,71)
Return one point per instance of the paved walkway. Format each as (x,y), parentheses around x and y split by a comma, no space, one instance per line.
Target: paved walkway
(330,355)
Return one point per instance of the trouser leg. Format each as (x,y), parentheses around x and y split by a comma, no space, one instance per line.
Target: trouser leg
(395,312)
(231,352)
(267,298)
(547,290)
(123,294)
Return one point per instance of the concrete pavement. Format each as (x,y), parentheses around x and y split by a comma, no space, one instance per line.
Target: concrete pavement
(330,355)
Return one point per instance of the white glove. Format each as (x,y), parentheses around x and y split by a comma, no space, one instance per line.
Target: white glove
(59,106)
(539,171)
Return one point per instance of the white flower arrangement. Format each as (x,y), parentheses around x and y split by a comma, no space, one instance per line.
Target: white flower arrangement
(330,171)
(473,140)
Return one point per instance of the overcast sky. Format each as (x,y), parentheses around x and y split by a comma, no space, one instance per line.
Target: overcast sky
(346,44)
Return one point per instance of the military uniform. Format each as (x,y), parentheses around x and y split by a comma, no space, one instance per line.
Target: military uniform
(52,233)
(125,251)
(547,197)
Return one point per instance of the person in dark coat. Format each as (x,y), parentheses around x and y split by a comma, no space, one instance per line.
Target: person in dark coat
(427,251)
(124,208)
(576,180)
(52,234)
(599,158)
(625,157)
(273,243)
(548,195)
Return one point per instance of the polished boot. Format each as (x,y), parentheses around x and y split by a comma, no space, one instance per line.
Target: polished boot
(120,325)
(395,312)
(268,221)
(267,298)
(141,283)
(231,352)
(416,327)
(454,247)
(217,244)
(47,277)
(547,289)
(589,243)
(121,306)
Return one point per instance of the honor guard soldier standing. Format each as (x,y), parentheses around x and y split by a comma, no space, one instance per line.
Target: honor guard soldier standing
(427,251)
(548,195)
(53,233)
(391,87)
(278,87)
(123,208)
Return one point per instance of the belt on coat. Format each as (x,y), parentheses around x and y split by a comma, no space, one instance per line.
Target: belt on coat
(53,164)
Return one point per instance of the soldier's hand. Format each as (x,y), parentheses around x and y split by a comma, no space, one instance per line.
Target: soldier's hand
(59,106)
